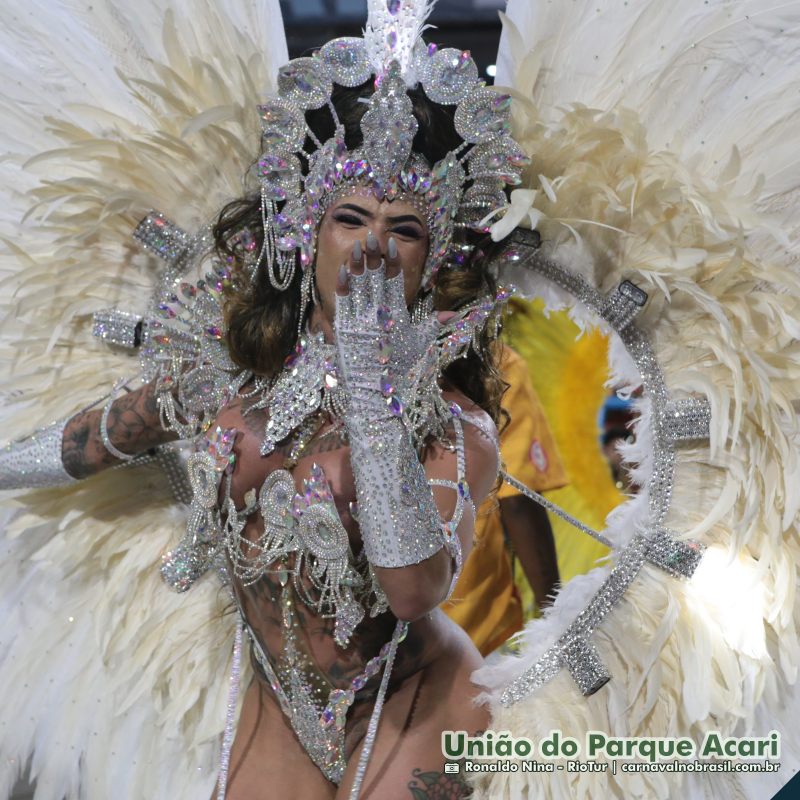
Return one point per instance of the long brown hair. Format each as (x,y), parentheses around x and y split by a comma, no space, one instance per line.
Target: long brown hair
(262,322)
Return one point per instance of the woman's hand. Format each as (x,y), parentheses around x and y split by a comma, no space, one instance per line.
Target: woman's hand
(375,338)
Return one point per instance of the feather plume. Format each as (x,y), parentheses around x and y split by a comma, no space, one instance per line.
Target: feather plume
(115,685)
(393,29)
(678,151)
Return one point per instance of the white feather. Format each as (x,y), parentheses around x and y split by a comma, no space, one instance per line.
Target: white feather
(116,685)
(391,35)
(663,144)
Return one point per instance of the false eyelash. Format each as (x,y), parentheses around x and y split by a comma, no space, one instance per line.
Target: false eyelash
(349,219)
(410,233)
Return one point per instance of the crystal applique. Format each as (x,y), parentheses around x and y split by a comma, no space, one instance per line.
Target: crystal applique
(182,566)
(583,661)
(279,174)
(687,420)
(622,306)
(305,83)
(483,115)
(197,550)
(202,390)
(297,392)
(679,558)
(282,125)
(346,61)
(500,160)
(161,236)
(389,127)
(117,327)
(453,74)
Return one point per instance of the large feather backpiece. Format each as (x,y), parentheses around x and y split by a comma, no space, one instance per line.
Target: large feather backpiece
(661,137)
(112,686)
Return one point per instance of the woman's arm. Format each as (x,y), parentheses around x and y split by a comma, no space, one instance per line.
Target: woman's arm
(531,537)
(417,589)
(405,521)
(74,448)
(133,425)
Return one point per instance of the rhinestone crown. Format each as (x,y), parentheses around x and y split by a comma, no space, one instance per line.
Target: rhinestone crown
(458,190)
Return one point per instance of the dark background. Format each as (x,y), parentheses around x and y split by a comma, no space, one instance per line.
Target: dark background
(471,25)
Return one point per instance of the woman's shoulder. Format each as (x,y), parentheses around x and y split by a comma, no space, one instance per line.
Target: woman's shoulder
(248,422)
(475,416)
(481,450)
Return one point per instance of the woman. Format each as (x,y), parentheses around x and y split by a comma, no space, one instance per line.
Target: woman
(343,521)
(663,228)
(359,237)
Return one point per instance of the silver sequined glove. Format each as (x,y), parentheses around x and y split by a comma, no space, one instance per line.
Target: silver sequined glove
(377,342)
(377,345)
(35,462)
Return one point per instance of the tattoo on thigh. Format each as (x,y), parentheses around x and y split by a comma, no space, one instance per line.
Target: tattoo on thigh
(438,786)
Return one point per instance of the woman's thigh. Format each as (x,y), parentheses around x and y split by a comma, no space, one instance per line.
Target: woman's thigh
(267,760)
(407,753)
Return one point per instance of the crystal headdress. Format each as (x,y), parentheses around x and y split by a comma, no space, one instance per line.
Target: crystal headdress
(458,190)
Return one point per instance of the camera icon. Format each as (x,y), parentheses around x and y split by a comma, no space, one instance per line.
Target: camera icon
(449,767)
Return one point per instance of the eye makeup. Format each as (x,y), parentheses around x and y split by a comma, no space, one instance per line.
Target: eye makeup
(409,226)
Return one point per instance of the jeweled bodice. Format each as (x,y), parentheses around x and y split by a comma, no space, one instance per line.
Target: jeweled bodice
(302,539)
(307,595)
(302,586)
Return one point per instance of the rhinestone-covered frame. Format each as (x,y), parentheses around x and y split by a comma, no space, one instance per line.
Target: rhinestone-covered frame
(672,421)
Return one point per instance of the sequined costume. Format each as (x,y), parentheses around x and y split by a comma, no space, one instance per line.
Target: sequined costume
(650,127)
(304,548)
(284,546)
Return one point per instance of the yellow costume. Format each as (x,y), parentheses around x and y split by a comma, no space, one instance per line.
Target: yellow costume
(569,370)
(485,601)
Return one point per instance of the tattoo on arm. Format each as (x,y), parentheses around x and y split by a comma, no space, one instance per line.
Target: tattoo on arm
(134,425)
(327,443)
(254,422)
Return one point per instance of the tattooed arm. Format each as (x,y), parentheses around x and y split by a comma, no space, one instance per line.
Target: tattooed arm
(133,426)
(73,448)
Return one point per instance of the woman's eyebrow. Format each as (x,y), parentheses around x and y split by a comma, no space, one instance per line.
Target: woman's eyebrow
(358,209)
(406,218)
(393,219)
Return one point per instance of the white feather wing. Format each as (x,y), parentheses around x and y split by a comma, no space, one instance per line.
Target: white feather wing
(714,82)
(652,149)
(112,686)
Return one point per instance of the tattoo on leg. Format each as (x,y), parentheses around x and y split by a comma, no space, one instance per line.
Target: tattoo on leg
(438,786)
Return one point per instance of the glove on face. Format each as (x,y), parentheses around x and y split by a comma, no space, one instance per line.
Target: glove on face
(377,346)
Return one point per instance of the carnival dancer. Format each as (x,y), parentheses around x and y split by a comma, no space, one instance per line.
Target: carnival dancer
(344,408)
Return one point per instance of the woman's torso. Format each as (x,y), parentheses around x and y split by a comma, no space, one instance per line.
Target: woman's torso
(297,638)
